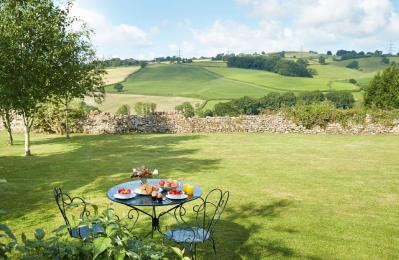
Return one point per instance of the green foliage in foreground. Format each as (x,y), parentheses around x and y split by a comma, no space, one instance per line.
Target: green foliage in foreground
(383,90)
(116,241)
(292,195)
(323,113)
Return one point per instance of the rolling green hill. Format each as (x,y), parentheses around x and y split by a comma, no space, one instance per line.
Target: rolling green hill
(210,80)
(187,81)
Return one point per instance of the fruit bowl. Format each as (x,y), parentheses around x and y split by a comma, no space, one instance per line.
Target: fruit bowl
(169,184)
(176,195)
(124,194)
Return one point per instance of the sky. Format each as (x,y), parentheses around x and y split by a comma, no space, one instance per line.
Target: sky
(144,29)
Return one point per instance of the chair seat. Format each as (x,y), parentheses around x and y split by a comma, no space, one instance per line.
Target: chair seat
(84,232)
(188,235)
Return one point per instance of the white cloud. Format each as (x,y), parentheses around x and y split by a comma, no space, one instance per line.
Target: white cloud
(313,24)
(119,38)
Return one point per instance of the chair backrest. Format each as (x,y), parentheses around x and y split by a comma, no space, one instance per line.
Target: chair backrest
(69,205)
(208,213)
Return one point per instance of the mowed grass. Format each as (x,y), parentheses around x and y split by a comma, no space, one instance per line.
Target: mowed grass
(115,75)
(187,81)
(281,83)
(164,104)
(302,196)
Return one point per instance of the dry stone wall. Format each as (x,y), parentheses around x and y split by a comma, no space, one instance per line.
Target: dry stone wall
(107,123)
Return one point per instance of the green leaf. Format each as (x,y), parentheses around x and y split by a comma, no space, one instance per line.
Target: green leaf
(120,255)
(100,245)
(3,181)
(39,234)
(7,231)
(178,251)
(60,228)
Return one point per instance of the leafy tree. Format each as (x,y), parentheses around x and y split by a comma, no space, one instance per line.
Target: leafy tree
(145,108)
(309,97)
(79,73)
(187,109)
(245,105)
(270,101)
(118,87)
(32,38)
(353,81)
(353,65)
(385,60)
(225,109)
(287,99)
(143,64)
(123,110)
(6,113)
(329,53)
(341,99)
(383,90)
(322,60)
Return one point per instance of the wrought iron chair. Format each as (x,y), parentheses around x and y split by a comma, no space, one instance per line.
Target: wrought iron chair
(66,202)
(207,214)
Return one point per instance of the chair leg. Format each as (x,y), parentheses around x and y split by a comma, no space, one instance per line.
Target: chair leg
(213,245)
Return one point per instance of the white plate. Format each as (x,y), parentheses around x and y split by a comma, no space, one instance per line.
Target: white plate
(138,191)
(168,188)
(177,197)
(124,196)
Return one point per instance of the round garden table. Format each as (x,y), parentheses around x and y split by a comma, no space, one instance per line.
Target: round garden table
(146,201)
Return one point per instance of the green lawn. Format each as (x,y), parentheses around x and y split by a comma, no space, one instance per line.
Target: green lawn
(303,196)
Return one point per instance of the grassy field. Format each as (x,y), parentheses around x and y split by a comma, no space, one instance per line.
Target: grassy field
(113,101)
(301,196)
(187,81)
(115,75)
(274,81)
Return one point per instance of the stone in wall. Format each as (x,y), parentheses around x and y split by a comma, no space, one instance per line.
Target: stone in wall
(108,123)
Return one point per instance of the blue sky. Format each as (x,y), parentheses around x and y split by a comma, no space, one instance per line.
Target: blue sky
(150,28)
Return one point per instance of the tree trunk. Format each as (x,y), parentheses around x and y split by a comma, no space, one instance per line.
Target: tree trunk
(66,121)
(7,118)
(10,138)
(27,141)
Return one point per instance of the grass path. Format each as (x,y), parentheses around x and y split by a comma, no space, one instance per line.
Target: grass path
(301,196)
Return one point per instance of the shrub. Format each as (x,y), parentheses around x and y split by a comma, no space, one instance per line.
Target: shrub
(50,118)
(341,99)
(353,65)
(270,101)
(309,97)
(287,99)
(123,110)
(145,108)
(385,60)
(245,105)
(353,81)
(225,109)
(383,90)
(118,87)
(202,113)
(186,109)
(316,114)
(116,242)
(322,60)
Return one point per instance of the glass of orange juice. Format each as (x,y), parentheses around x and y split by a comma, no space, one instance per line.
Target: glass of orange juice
(185,187)
(190,189)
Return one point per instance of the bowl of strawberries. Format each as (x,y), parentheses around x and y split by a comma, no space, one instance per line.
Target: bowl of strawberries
(168,184)
(124,194)
(176,195)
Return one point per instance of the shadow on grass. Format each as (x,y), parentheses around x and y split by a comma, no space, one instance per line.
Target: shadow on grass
(89,165)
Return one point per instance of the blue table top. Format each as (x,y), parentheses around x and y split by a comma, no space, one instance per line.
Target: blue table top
(146,200)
